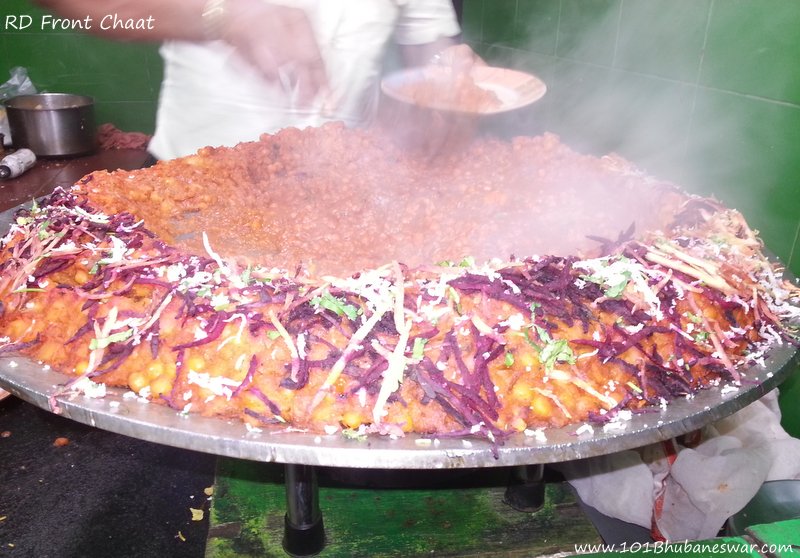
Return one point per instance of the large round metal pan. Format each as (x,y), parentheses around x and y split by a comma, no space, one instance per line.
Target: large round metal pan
(156,423)
(119,413)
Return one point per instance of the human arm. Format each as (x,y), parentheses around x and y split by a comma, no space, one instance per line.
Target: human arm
(428,32)
(422,54)
(275,39)
(429,35)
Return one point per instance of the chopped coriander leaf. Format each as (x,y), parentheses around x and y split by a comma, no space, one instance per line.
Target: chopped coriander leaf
(273,334)
(246,275)
(43,232)
(543,335)
(612,275)
(552,351)
(509,359)
(467,261)
(556,351)
(530,340)
(694,318)
(353,434)
(351,311)
(104,342)
(419,348)
(204,292)
(250,276)
(337,305)
(616,290)
(452,294)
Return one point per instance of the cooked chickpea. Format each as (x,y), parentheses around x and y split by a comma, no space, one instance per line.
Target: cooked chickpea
(352,419)
(253,403)
(155,369)
(407,424)
(341,385)
(196,363)
(585,404)
(137,381)
(319,198)
(57,307)
(49,351)
(526,359)
(160,385)
(322,413)
(541,406)
(17,328)
(522,392)
(81,277)
(519,424)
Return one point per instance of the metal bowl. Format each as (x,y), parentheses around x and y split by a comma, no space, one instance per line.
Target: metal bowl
(52,124)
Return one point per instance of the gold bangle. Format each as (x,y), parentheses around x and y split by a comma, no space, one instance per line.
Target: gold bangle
(213,17)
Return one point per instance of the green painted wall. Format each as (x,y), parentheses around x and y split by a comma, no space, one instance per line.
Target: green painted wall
(124,78)
(702,92)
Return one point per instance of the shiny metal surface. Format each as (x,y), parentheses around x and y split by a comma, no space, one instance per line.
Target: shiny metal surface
(132,417)
(52,124)
(156,423)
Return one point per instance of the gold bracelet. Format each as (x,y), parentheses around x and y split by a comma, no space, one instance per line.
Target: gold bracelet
(213,17)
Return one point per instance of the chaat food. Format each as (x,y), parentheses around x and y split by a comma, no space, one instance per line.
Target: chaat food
(325,280)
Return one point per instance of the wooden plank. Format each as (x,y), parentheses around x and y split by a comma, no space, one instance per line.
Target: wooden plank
(401,513)
(780,539)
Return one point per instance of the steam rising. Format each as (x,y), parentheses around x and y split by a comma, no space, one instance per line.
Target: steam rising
(448,196)
(632,80)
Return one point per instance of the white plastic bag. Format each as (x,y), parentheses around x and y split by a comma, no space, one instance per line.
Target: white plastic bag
(687,492)
(19,84)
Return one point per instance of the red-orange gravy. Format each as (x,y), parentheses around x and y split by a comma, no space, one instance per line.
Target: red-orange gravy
(464,350)
(341,200)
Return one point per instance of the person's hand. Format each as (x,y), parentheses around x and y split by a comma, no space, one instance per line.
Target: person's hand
(449,131)
(279,42)
(421,124)
(460,58)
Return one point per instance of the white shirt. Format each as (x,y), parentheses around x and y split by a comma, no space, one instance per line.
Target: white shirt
(210,96)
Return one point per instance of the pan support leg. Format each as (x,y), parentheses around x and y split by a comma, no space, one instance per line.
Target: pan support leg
(525,490)
(304,532)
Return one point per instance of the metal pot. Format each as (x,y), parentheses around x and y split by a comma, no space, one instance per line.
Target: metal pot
(52,124)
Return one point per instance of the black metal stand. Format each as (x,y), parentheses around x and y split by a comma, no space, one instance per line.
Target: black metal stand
(304,532)
(525,490)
